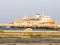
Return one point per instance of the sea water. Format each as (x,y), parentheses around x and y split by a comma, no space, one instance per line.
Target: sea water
(39,29)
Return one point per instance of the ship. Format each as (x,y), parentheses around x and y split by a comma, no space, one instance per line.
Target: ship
(36,21)
(32,27)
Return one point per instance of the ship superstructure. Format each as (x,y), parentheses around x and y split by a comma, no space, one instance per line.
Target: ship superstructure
(35,21)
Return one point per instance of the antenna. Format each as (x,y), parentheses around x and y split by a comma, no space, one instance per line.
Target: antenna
(42,13)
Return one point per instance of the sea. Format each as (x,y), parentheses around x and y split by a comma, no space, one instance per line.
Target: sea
(39,29)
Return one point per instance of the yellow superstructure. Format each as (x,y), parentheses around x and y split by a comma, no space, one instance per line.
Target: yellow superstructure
(35,21)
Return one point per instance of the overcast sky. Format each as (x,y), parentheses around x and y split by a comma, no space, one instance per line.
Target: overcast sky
(14,9)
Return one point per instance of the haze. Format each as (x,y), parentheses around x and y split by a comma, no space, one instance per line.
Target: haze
(11,10)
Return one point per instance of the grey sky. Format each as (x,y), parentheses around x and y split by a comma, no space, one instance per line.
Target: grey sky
(14,9)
